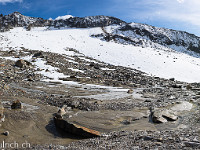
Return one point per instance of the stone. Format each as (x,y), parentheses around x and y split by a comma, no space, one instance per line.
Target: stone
(22,63)
(61,111)
(6,133)
(16,105)
(130,91)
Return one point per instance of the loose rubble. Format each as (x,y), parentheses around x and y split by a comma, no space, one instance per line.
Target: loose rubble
(146,113)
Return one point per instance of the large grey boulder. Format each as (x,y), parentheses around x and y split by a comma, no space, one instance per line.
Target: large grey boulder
(163,116)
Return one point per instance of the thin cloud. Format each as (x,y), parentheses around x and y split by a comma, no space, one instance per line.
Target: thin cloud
(181,1)
(186,11)
(172,10)
(9,1)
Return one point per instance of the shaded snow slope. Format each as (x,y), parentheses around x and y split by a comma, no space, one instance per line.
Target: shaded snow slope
(160,63)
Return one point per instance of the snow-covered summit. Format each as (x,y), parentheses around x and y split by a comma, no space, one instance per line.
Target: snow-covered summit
(64,17)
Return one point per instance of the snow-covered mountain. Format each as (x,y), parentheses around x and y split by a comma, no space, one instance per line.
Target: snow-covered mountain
(156,51)
(16,19)
(117,30)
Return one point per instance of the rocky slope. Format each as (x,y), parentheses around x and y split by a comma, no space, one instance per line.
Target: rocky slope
(159,38)
(16,19)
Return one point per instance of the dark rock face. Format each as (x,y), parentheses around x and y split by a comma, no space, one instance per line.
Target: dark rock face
(16,19)
(86,22)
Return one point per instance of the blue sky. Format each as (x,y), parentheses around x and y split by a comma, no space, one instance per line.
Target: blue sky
(175,14)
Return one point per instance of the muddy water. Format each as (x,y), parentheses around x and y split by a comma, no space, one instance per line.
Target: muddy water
(32,124)
(108,120)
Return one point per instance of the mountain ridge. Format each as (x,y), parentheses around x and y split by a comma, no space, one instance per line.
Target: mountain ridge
(136,34)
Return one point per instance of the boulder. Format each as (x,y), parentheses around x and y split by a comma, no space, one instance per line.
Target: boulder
(74,128)
(163,116)
(22,63)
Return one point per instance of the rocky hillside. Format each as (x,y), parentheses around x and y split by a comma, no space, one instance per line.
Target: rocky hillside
(150,36)
(16,19)
(86,22)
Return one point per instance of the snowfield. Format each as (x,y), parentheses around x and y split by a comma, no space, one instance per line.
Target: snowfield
(162,63)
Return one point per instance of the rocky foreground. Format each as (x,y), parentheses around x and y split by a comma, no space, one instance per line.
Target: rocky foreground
(93,105)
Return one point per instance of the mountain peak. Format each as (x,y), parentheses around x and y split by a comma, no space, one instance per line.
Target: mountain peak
(64,17)
(16,13)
